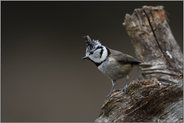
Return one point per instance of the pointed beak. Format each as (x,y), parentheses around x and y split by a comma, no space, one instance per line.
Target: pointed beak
(85,57)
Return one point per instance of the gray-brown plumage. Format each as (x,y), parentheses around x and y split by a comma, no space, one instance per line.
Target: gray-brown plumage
(123,58)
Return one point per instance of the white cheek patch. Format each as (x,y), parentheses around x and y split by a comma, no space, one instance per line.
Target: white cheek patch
(95,56)
(99,55)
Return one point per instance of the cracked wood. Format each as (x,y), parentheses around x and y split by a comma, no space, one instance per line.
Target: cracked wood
(158,96)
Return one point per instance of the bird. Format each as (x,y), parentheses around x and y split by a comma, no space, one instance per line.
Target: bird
(114,64)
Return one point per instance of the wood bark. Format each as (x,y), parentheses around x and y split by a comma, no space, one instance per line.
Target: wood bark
(158,96)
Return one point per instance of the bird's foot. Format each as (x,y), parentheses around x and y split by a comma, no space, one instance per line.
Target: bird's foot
(125,89)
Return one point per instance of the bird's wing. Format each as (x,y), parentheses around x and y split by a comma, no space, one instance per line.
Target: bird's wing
(123,58)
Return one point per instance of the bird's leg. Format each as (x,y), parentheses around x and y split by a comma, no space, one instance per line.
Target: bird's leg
(126,84)
(112,88)
(113,85)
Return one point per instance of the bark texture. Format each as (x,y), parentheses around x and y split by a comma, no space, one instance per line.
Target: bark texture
(158,97)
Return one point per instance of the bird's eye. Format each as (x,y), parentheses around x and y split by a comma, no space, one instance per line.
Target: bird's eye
(91,47)
(91,52)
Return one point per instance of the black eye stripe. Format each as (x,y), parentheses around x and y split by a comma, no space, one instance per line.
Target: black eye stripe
(99,47)
(101,52)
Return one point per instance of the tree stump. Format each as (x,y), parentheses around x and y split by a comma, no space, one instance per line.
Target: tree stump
(158,97)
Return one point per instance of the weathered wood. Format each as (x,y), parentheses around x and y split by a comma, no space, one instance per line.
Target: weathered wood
(154,43)
(159,96)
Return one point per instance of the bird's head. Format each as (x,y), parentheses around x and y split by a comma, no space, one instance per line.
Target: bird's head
(95,51)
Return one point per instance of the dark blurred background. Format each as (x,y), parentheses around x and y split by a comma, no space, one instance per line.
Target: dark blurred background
(43,76)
